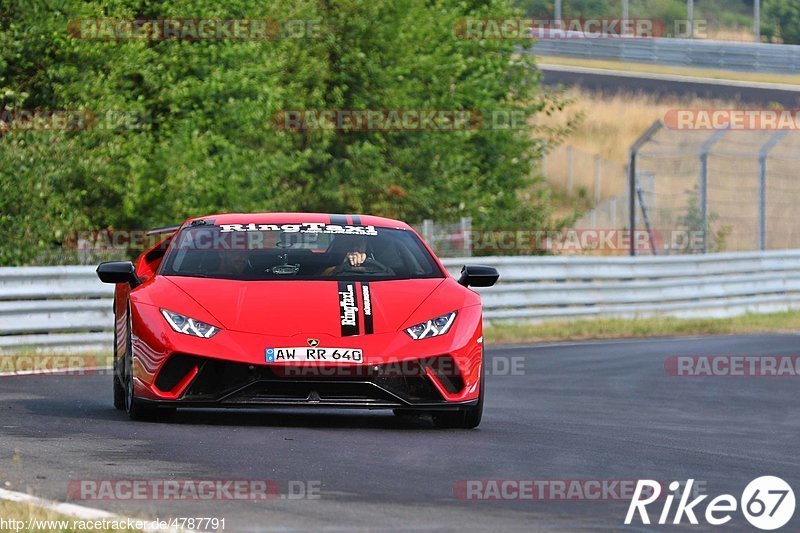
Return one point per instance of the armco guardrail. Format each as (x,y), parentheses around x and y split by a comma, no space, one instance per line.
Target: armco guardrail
(713,285)
(58,308)
(43,308)
(704,53)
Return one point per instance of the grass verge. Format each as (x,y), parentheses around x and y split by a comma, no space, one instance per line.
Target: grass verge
(72,363)
(762,77)
(612,328)
(29,519)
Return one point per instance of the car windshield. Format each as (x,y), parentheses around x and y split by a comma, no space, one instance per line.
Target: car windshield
(312,251)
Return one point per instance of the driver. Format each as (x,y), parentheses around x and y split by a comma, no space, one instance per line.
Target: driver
(347,251)
(235,262)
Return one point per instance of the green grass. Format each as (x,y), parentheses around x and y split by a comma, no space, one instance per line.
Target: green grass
(612,328)
(22,360)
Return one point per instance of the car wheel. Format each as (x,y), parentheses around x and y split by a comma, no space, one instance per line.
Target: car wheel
(119,389)
(119,393)
(134,407)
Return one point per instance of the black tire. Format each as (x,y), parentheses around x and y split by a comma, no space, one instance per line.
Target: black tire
(133,406)
(468,417)
(119,389)
(119,393)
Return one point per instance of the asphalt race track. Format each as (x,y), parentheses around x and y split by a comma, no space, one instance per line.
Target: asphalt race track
(577,411)
(661,85)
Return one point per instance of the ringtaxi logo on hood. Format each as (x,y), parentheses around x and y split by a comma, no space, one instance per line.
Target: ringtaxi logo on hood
(767,502)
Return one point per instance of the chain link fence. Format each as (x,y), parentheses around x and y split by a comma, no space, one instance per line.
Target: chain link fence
(576,172)
(711,191)
(447,240)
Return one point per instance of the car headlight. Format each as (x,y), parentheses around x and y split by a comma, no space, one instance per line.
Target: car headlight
(189,326)
(432,328)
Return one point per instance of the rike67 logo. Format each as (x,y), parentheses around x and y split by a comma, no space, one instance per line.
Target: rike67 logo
(767,503)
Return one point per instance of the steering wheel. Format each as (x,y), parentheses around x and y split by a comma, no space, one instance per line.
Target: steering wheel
(370,266)
(381,268)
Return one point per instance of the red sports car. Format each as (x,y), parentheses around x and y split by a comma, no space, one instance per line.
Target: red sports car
(297,309)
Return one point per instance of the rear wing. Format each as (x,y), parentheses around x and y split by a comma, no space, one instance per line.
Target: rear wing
(161,231)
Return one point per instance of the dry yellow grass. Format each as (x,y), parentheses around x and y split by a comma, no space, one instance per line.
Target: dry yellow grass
(36,520)
(742,35)
(613,122)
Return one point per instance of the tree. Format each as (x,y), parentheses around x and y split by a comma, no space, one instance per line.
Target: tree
(185,127)
(781,18)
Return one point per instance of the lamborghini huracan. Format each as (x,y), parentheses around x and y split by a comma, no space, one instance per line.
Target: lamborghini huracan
(297,309)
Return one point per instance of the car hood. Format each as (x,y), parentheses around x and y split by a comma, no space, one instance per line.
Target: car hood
(286,308)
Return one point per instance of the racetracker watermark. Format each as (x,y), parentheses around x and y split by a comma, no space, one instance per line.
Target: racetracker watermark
(56,364)
(114,524)
(733,366)
(193,29)
(440,367)
(733,119)
(192,489)
(48,120)
(607,241)
(566,28)
(434,120)
(545,489)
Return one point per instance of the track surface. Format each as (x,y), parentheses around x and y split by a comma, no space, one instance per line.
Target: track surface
(604,410)
(612,82)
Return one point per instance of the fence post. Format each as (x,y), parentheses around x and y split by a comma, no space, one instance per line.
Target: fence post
(612,211)
(427,232)
(557,13)
(762,186)
(757,21)
(466,232)
(634,150)
(646,217)
(705,148)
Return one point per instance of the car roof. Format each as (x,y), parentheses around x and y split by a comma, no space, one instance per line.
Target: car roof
(298,218)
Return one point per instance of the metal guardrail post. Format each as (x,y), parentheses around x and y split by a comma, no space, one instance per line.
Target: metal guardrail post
(762,186)
(705,148)
(634,150)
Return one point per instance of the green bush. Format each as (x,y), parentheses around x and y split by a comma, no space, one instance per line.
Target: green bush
(781,19)
(196,133)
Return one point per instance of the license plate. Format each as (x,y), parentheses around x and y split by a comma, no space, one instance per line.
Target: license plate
(305,354)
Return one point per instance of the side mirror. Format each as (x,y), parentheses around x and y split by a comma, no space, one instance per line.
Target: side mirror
(118,272)
(478,276)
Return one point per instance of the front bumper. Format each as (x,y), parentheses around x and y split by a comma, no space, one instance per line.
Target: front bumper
(411,384)
(230,369)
